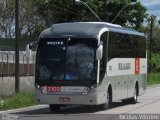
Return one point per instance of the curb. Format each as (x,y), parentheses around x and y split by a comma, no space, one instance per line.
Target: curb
(24,109)
(154,85)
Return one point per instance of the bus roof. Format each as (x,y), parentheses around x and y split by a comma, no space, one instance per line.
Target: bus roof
(84,29)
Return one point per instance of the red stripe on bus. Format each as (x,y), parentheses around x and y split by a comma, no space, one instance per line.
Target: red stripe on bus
(137,65)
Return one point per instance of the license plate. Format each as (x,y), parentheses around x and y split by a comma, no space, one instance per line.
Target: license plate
(64,99)
(53,89)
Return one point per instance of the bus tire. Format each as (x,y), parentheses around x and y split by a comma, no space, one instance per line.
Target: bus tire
(54,108)
(108,102)
(133,100)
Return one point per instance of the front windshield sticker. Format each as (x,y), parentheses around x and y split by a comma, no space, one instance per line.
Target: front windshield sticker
(68,76)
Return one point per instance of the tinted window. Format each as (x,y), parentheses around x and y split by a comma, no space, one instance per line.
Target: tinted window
(66,60)
(126,46)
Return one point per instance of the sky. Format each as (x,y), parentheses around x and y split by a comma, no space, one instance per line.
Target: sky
(153,7)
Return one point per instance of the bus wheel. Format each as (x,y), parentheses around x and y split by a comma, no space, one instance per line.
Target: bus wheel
(108,102)
(134,99)
(54,108)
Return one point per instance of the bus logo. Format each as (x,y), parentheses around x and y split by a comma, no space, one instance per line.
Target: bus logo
(137,65)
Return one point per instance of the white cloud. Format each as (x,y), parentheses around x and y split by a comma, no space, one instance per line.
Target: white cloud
(153,7)
(149,2)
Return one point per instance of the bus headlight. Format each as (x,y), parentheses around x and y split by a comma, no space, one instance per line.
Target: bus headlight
(85,91)
(42,89)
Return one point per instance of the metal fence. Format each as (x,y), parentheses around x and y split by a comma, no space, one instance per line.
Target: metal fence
(7,63)
(7,72)
(7,67)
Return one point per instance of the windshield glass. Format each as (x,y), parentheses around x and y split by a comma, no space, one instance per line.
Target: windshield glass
(79,62)
(67,59)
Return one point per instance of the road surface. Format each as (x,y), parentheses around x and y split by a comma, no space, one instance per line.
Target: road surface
(149,103)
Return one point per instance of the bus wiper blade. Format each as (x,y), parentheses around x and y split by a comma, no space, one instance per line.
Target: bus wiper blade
(52,60)
(43,78)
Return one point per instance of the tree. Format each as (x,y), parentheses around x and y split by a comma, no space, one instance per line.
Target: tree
(131,15)
(159,22)
(155,35)
(39,14)
(7,18)
(53,11)
(30,23)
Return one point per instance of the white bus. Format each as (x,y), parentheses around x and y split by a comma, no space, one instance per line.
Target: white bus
(89,63)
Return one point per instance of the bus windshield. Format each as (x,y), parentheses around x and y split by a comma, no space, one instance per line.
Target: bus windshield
(67,59)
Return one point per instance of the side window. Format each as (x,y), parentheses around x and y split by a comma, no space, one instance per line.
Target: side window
(103,61)
(142,47)
(139,47)
(115,45)
(126,46)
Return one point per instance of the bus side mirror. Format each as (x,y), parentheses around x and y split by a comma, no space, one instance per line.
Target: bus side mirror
(99,52)
(29,48)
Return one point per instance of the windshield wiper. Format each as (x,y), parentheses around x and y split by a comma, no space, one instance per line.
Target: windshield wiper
(52,59)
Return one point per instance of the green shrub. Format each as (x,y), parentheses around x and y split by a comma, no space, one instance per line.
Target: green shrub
(22,99)
(153,78)
(155,62)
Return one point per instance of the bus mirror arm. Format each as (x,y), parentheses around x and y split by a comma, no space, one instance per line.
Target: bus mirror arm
(99,52)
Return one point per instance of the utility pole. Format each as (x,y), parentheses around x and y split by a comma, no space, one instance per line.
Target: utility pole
(150,45)
(17,46)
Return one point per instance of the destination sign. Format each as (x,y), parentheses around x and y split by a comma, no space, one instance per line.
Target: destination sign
(55,43)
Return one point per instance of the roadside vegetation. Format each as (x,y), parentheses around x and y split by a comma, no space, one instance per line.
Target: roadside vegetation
(23,99)
(153,78)
(19,100)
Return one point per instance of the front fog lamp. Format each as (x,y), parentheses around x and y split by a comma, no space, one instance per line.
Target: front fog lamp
(85,91)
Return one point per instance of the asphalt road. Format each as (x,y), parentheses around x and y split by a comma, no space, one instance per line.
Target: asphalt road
(149,103)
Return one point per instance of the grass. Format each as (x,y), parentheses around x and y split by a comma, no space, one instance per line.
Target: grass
(153,78)
(19,100)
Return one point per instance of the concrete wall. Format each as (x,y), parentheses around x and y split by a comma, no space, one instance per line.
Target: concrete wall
(7,85)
